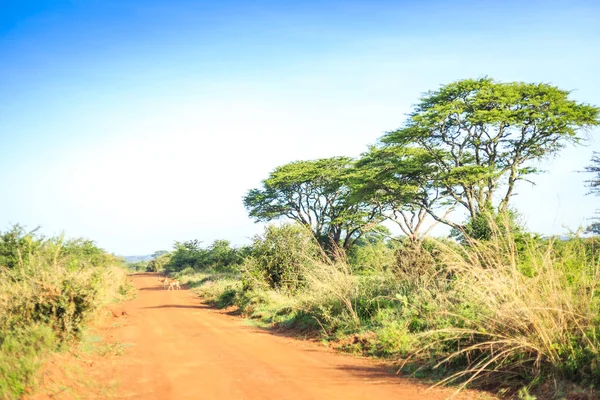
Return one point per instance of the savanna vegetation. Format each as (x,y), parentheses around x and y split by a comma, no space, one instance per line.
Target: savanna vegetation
(491,304)
(50,287)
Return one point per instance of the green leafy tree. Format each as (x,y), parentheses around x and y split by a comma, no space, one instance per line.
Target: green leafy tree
(397,180)
(190,254)
(482,137)
(139,266)
(186,254)
(86,251)
(594,168)
(159,261)
(318,195)
(221,254)
(159,253)
(593,228)
(593,185)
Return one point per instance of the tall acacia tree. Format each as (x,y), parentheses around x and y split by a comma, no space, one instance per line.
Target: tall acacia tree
(316,194)
(482,137)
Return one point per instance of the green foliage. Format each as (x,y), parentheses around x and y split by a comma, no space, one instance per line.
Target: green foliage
(483,225)
(22,353)
(512,308)
(219,256)
(46,297)
(16,245)
(138,266)
(374,252)
(499,305)
(159,261)
(593,185)
(84,252)
(280,256)
(397,180)
(593,228)
(159,253)
(481,137)
(187,271)
(318,195)
(594,168)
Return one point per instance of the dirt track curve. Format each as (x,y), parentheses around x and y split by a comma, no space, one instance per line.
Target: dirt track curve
(178,348)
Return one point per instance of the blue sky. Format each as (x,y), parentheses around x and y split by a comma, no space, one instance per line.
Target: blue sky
(137,123)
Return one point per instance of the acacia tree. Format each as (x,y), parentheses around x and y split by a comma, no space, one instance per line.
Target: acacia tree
(593,185)
(482,137)
(594,168)
(315,194)
(397,180)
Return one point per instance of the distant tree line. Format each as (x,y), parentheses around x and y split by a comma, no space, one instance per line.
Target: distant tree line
(191,255)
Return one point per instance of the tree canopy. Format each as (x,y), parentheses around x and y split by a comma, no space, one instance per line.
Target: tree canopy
(396,179)
(190,254)
(481,137)
(594,183)
(317,194)
(464,147)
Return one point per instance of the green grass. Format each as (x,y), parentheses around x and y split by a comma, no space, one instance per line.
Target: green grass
(22,353)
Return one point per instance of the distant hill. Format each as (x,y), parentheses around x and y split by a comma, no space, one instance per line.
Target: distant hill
(134,259)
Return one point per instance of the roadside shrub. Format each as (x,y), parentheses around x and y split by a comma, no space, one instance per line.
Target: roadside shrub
(372,257)
(281,257)
(415,259)
(158,263)
(329,295)
(16,245)
(22,353)
(187,271)
(46,299)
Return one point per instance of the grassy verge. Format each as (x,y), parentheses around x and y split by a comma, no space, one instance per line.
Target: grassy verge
(47,294)
(519,315)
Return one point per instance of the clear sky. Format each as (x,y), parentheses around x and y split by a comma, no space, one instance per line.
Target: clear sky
(139,122)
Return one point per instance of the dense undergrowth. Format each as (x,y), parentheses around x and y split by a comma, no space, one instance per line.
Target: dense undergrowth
(49,289)
(511,312)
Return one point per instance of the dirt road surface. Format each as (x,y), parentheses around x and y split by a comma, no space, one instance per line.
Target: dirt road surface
(178,348)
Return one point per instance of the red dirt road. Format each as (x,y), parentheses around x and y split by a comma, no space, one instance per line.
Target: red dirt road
(178,348)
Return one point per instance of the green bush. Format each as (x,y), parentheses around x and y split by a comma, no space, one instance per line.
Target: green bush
(281,256)
(187,271)
(373,257)
(16,245)
(22,353)
(46,298)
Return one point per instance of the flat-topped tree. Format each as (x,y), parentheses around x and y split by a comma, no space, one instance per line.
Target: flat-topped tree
(316,194)
(482,137)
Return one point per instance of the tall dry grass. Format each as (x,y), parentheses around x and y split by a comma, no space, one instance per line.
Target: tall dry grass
(538,308)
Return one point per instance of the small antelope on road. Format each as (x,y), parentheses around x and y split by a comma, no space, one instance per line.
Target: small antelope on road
(165,281)
(173,284)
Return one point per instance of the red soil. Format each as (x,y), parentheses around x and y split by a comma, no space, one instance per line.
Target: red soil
(175,347)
